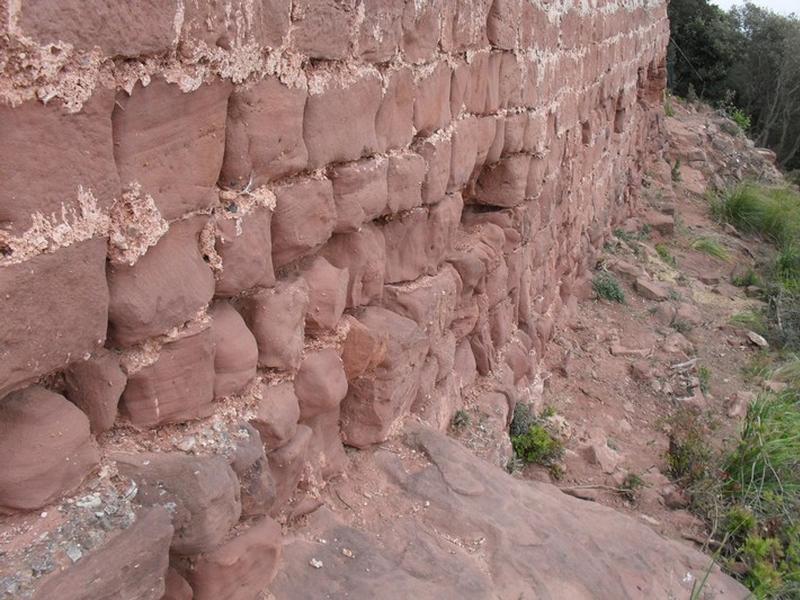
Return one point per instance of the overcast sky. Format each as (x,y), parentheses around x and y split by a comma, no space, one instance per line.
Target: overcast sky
(780,6)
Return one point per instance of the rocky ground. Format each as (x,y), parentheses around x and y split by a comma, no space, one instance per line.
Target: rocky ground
(613,380)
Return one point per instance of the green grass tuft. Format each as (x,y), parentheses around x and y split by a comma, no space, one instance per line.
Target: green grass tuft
(711,247)
(608,288)
(664,254)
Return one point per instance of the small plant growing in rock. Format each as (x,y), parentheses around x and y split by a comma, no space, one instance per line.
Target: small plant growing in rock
(461,420)
(704,375)
(669,110)
(710,247)
(676,171)
(631,486)
(537,445)
(748,278)
(608,288)
(681,326)
(664,254)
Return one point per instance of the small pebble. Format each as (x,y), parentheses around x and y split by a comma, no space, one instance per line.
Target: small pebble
(316,563)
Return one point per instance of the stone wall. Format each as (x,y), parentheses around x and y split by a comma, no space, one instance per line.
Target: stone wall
(236,236)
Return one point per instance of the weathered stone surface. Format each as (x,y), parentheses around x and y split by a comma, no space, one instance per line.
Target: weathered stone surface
(55,309)
(339,122)
(241,568)
(379,32)
(404,181)
(201,491)
(178,386)
(249,462)
(375,402)
(95,386)
(363,349)
(529,546)
(176,587)
(47,447)
(286,464)
(263,134)
(504,183)
(322,28)
(359,192)
(652,290)
(320,383)
(437,154)
(131,564)
(277,415)
(363,254)
(432,100)
(327,294)
(166,287)
(245,248)
(394,120)
(276,317)
(235,350)
(304,219)
(238,22)
(172,142)
(48,155)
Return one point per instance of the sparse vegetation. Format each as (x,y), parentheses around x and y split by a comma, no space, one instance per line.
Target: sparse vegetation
(669,110)
(748,278)
(607,287)
(461,420)
(664,254)
(631,486)
(681,326)
(688,455)
(711,247)
(532,441)
(676,171)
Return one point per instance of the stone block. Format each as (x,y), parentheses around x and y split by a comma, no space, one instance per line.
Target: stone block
(235,350)
(164,288)
(363,349)
(327,295)
(127,29)
(404,181)
(380,30)
(249,462)
(339,120)
(263,134)
(202,492)
(502,24)
(287,464)
(176,587)
(422,24)
(320,383)
(504,183)
(95,386)
(304,219)
(55,310)
(376,401)
(359,192)
(437,154)
(242,567)
(394,120)
(323,28)
(178,386)
(47,155)
(277,414)
(132,563)
(432,100)
(244,245)
(237,23)
(363,254)
(276,317)
(47,446)
(172,142)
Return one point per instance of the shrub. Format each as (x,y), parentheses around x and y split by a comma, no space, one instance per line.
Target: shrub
(608,288)
(750,277)
(741,118)
(688,456)
(461,420)
(537,445)
(669,110)
(676,171)
(631,486)
(704,375)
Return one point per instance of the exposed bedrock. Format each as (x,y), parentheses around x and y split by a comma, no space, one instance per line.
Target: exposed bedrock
(237,238)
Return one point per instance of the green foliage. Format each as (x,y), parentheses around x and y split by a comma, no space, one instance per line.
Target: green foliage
(664,254)
(631,486)
(531,440)
(704,375)
(688,455)
(773,212)
(537,445)
(711,247)
(676,170)
(461,420)
(741,118)
(752,320)
(750,277)
(608,288)
(669,110)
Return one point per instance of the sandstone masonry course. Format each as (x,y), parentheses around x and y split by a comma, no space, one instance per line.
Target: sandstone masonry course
(321,220)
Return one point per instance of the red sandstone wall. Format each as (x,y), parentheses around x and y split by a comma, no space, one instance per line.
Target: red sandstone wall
(318,219)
